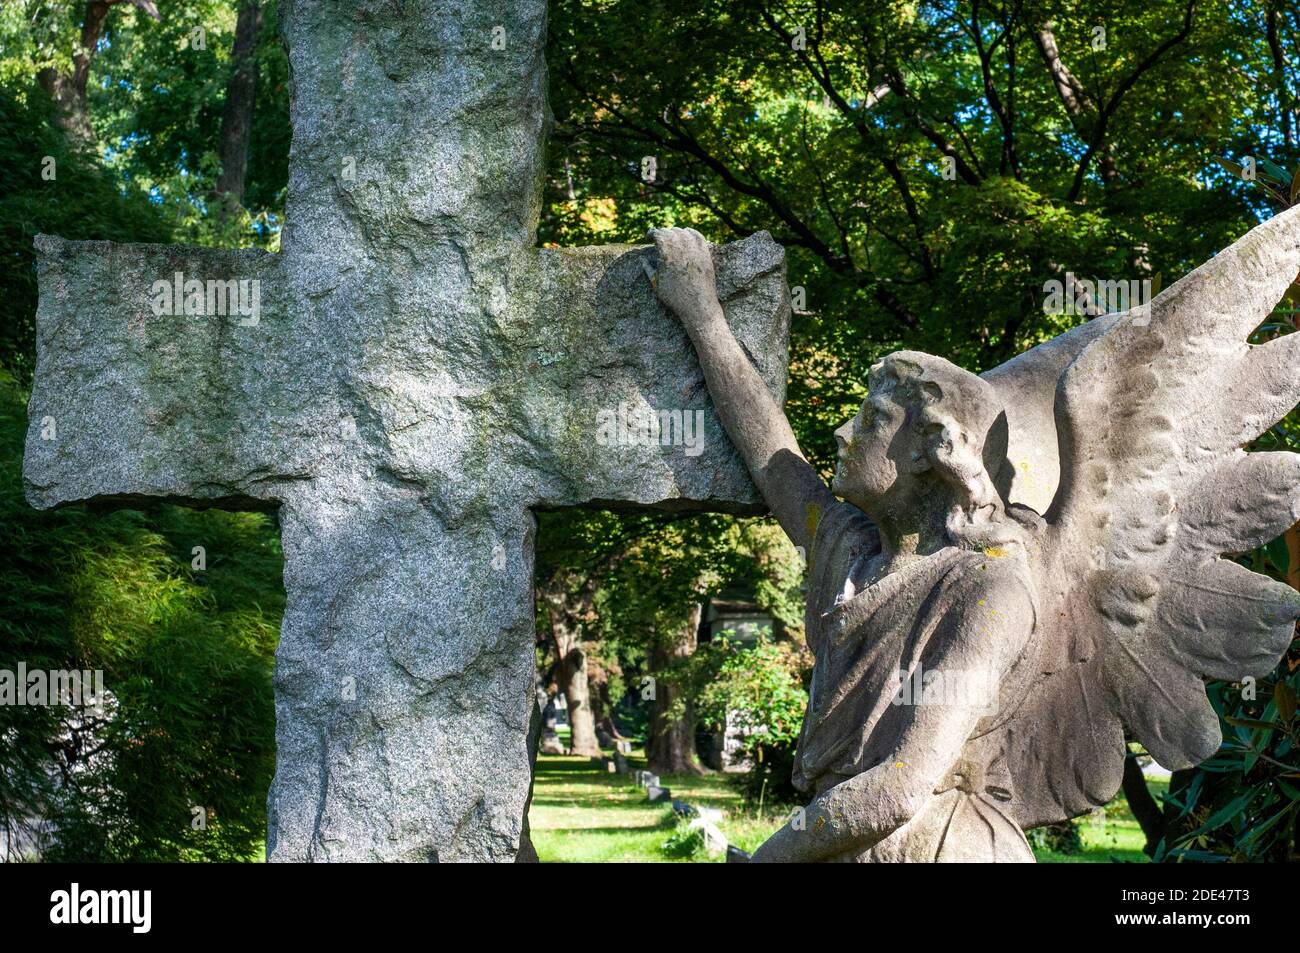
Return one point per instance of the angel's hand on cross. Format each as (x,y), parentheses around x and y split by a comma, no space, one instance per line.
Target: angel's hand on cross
(683,279)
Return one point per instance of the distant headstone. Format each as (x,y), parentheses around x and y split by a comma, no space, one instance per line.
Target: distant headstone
(715,842)
(551,743)
(736,731)
(655,794)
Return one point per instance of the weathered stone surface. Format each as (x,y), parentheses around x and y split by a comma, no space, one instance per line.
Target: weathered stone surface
(419,378)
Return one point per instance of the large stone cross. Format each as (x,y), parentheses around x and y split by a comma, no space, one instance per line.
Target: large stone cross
(416,379)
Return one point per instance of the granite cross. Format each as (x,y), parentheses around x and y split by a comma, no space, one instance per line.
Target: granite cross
(405,383)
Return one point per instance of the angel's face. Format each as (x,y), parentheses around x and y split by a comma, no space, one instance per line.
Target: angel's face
(877,446)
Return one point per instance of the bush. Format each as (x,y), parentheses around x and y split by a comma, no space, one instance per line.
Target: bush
(1063,838)
(186,657)
(761,690)
(82,201)
(684,843)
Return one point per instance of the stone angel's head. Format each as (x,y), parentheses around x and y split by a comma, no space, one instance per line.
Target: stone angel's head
(923,449)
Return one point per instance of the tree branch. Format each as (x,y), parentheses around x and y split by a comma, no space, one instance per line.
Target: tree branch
(1112,104)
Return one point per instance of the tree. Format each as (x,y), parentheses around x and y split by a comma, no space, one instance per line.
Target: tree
(649,605)
(67,87)
(670,741)
(927,166)
(568,606)
(237,112)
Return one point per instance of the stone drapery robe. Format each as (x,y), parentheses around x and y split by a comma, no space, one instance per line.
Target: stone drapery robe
(958,613)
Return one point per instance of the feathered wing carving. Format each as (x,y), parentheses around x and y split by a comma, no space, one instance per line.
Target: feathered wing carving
(1137,603)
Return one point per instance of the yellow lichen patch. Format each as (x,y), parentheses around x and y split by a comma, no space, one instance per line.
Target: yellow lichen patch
(812,516)
(997,552)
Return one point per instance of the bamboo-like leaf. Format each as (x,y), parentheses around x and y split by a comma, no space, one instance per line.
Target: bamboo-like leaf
(1260,829)
(1225,813)
(1275,171)
(1248,722)
(1231,166)
(1284,695)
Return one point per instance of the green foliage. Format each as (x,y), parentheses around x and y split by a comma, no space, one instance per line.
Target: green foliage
(156,93)
(1244,803)
(1059,838)
(186,656)
(761,689)
(159,105)
(81,201)
(684,843)
(760,686)
(839,149)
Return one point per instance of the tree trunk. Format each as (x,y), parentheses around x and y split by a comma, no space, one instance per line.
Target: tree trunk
(670,749)
(68,90)
(237,114)
(566,610)
(602,706)
(571,673)
(1279,73)
(1073,96)
(1144,807)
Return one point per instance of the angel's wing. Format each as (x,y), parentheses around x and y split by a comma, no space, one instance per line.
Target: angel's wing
(1137,603)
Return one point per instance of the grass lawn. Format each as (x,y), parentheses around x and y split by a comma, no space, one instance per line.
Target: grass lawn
(583,815)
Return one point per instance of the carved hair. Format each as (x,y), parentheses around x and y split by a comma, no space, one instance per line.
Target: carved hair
(964,425)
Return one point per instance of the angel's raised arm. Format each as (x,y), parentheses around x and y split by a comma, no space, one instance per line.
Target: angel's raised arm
(684,282)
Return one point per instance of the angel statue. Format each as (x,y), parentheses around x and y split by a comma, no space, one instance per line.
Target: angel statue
(1053,529)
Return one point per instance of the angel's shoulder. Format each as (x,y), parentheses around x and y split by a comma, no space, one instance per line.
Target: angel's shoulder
(843,531)
(1000,581)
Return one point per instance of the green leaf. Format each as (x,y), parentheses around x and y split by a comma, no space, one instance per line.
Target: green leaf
(1248,722)
(1278,555)
(1254,835)
(1231,166)
(1290,790)
(1284,695)
(1274,170)
(1224,814)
